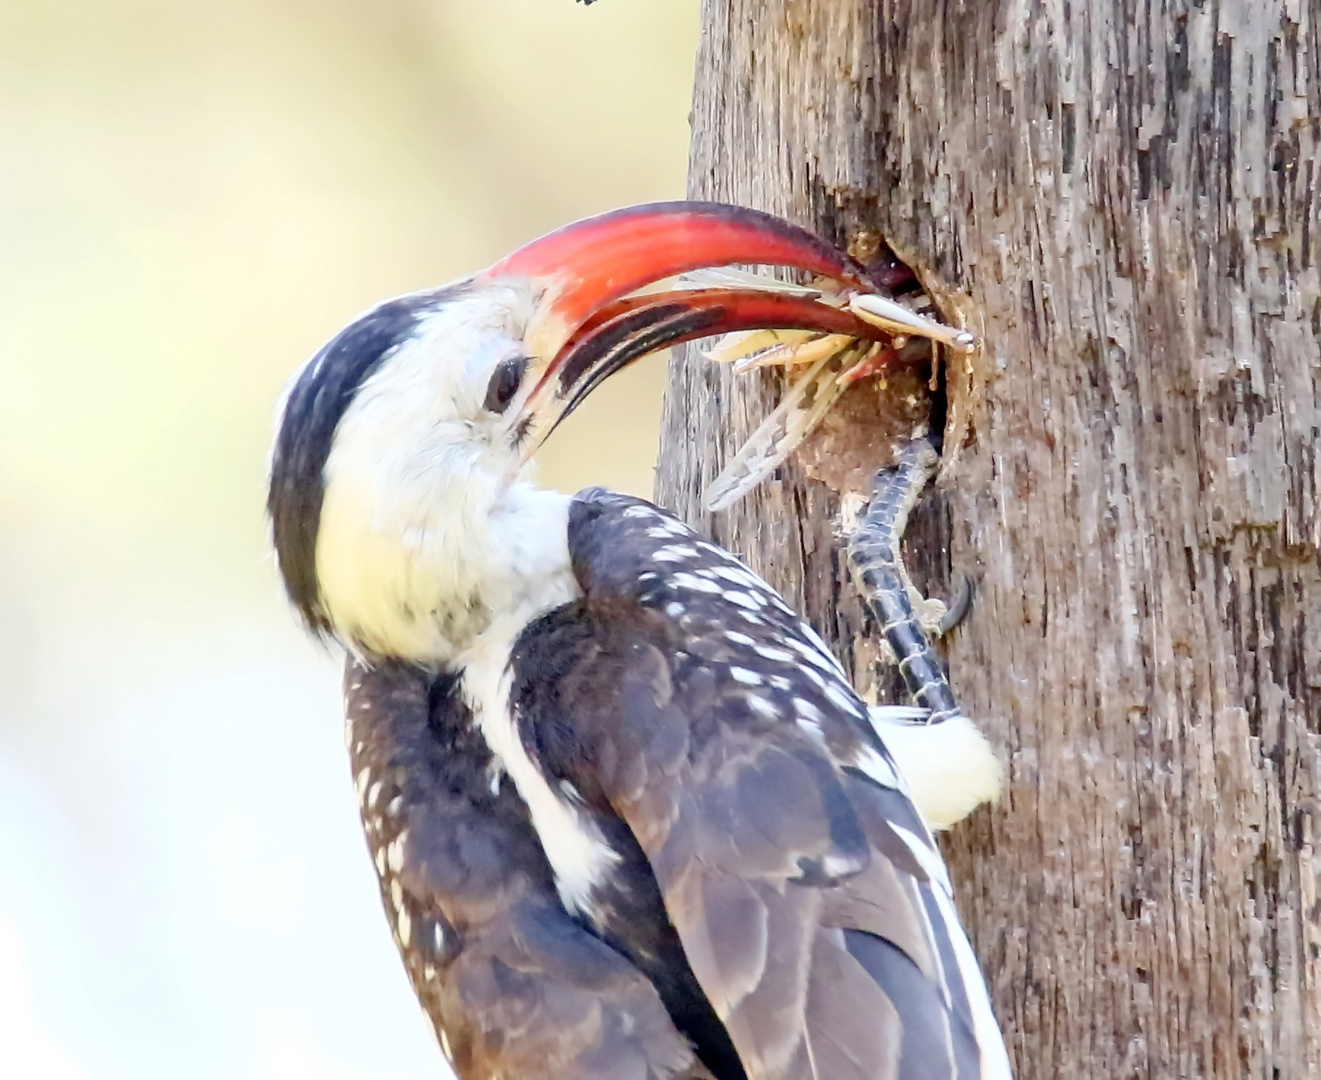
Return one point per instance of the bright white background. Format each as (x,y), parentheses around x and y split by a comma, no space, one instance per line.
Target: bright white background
(192,197)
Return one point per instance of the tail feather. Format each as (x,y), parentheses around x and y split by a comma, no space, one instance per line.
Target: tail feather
(854,1026)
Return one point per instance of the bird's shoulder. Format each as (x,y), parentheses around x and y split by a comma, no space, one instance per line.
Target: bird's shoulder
(667,615)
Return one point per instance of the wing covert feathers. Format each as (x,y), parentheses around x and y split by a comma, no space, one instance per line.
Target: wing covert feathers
(811,902)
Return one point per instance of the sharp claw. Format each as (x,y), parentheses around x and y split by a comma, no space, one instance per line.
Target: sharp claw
(893,317)
(958,607)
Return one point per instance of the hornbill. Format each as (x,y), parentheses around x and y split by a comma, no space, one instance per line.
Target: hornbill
(629,817)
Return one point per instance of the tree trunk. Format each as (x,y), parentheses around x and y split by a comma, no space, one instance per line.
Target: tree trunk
(1127,195)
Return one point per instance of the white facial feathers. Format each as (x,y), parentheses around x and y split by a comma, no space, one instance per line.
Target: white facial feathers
(425,529)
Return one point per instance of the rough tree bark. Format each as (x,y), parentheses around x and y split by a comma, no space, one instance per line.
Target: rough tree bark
(1126,191)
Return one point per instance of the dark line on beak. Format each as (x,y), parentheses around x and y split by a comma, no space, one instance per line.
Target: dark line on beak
(619,343)
(598,345)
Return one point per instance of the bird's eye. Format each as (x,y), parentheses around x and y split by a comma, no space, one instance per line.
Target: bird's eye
(504,383)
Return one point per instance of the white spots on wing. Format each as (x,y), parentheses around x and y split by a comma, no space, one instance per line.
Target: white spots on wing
(812,728)
(740,576)
(387,854)
(674,553)
(815,639)
(438,937)
(394,854)
(742,599)
(445,1039)
(403,921)
(877,768)
(814,676)
(640,512)
(843,700)
(785,668)
(812,654)
(684,580)
(807,711)
(429,972)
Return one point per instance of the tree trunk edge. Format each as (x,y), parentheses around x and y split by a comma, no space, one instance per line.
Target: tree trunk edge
(1132,199)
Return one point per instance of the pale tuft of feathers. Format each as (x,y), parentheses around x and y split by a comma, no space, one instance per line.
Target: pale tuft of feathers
(950,768)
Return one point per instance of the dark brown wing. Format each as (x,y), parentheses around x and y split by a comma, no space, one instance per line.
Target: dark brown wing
(514,987)
(682,696)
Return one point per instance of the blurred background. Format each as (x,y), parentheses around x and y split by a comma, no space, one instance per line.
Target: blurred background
(192,198)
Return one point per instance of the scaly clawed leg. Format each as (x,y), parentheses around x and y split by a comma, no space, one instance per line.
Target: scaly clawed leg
(946,760)
(877,566)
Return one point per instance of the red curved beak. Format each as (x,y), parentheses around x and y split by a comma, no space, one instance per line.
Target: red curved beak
(589,324)
(589,264)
